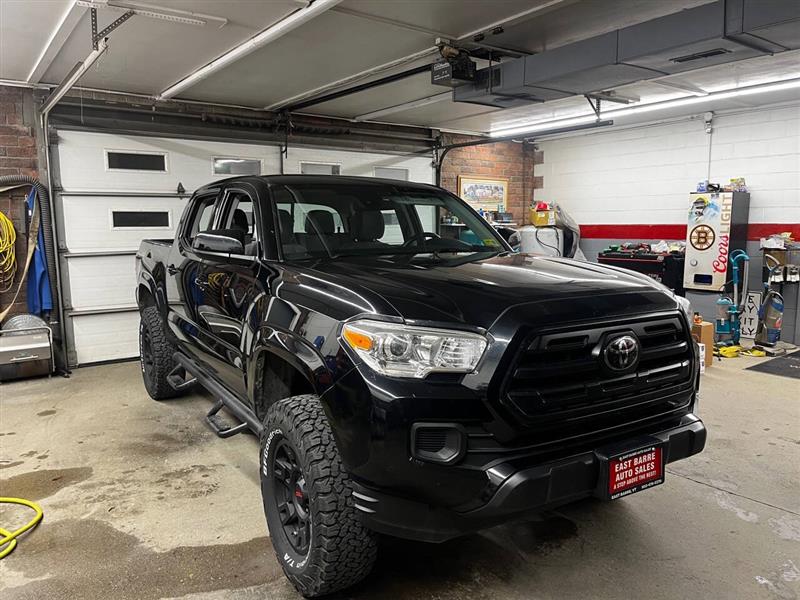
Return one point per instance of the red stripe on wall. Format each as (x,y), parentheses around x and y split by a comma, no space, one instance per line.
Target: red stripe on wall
(755,231)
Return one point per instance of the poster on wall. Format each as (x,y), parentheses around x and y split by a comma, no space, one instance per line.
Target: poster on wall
(750,314)
(490,194)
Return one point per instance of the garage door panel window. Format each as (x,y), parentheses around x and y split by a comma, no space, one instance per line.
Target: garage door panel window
(138,219)
(129,160)
(312,168)
(236,166)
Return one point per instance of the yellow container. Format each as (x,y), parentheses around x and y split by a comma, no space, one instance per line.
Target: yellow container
(543,218)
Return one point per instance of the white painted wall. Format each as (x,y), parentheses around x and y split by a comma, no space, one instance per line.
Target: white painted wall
(644,175)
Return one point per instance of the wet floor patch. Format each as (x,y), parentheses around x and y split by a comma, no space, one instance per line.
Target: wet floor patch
(88,558)
(36,485)
(480,566)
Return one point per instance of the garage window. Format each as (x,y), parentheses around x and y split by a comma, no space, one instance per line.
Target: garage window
(237,166)
(137,219)
(311,168)
(117,160)
(391,173)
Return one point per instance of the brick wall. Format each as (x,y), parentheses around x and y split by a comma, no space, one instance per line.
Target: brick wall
(18,156)
(506,160)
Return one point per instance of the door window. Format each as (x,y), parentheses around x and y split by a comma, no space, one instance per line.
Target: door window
(240,215)
(202,218)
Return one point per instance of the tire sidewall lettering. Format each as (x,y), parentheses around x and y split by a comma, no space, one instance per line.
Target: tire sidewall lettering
(267,445)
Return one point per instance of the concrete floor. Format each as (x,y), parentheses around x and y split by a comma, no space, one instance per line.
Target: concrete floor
(141,501)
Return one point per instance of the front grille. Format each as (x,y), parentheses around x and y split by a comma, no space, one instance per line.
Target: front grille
(558,383)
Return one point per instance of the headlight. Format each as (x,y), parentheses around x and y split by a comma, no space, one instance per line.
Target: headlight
(401,351)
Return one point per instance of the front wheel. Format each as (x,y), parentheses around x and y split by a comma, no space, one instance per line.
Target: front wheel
(320,543)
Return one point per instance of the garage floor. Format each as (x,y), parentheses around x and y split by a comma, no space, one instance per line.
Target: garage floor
(142,501)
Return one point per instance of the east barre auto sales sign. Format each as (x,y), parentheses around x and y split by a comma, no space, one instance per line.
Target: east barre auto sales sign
(635,471)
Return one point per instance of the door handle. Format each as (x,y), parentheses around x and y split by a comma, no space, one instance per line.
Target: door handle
(172,269)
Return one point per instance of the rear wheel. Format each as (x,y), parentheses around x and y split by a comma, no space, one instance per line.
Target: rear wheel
(318,539)
(155,354)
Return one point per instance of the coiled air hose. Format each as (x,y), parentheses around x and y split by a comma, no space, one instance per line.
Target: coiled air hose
(8,257)
(9,540)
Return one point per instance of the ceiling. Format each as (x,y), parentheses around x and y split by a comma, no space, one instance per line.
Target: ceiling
(353,42)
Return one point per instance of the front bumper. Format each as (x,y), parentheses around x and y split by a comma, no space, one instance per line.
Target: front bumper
(513,492)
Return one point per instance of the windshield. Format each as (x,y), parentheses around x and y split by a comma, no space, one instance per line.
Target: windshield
(343,219)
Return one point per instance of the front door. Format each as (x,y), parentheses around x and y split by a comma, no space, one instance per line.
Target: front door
(225,288)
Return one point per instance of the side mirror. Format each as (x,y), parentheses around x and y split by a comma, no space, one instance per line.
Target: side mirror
(216,242)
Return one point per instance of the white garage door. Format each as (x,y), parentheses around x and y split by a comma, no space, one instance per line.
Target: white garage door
(118,190)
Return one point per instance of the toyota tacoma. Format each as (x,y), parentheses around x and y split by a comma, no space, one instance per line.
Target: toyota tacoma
(407,373)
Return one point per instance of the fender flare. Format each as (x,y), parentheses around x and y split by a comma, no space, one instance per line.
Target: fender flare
(295,351)
(150,282)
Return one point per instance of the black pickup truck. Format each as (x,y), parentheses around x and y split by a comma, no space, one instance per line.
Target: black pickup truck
(404,380)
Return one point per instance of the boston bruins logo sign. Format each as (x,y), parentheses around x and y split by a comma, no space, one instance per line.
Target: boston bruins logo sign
(702,237)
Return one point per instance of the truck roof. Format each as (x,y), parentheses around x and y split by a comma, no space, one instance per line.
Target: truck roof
(309,179)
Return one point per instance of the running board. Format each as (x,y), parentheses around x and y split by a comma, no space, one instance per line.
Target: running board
(220,425)
(178,381)
(225,398)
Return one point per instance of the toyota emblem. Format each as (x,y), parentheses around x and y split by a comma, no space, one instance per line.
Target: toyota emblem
(621,353)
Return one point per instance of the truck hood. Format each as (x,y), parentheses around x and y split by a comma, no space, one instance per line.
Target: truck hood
(478,293)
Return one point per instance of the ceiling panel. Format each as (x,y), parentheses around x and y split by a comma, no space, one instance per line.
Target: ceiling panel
(146,55)
(21,43)
(453,18)
(439,114)
(329,47)
(407,90)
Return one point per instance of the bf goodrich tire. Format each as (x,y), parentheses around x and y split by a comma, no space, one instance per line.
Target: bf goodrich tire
(318,539)
(155,354)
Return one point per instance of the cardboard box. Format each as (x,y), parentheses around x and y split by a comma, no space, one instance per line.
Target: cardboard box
(704,333)
(543,218)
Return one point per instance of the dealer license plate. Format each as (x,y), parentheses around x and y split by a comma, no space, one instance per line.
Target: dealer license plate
(635,470)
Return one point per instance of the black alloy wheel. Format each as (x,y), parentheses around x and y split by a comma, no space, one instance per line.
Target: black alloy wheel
(291,498)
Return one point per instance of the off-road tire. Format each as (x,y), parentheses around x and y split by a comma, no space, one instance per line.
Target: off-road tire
(155,355)
(341,550)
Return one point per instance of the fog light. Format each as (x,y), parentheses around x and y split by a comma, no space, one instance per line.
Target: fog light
(443,443)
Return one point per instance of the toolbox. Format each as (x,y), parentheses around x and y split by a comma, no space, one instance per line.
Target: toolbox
(666,268)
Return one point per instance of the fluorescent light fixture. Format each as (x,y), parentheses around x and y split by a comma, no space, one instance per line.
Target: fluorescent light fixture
(404,106)
(270,34)
(652,107)
(73,77)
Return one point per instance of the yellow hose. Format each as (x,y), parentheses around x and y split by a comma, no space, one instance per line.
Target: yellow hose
(8,259)
(9,540)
